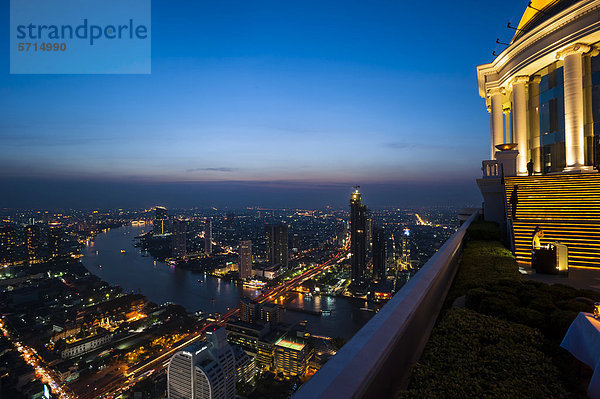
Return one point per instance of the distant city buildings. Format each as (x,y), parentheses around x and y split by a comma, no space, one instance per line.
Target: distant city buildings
(277,244)
(358,243)
(245,261)
(7,244)
(33,243)
(178,239)
(208,237)
(379,254)
(54,239)
(161,221)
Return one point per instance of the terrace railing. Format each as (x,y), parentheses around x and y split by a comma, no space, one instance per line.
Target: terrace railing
(376,362)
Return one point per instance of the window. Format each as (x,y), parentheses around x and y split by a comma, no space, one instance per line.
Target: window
(553,114)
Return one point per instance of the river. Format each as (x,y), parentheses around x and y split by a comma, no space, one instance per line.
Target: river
(162,283)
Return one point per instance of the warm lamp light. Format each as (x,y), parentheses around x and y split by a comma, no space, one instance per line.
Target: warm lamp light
(597,310)
(506,146)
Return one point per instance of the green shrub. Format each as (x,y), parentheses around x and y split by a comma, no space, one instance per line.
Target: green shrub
(475,356)
(483,262)
(483,231)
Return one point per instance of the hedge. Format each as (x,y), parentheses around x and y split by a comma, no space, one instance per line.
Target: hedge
(505,344)
(475,356)
(483,262)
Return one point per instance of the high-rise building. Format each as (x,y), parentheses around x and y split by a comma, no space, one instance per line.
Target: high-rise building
(277,244)
(369,233)
(208,237)
(160,220)
(249,310)
(295,242)
(252,312)
(33,243)
(291,356)
(342,234)
(178,239)
(245,259)
(358,221)
(7,244)
(203,370)
(379,255)
(54,239)
(405,260)
(269,313)
(245,366)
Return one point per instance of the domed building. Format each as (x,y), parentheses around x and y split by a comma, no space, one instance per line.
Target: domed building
(543,95)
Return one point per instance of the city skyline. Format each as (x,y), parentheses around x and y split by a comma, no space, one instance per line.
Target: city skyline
(263,95)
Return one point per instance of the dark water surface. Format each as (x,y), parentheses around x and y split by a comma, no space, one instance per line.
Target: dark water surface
(162,283)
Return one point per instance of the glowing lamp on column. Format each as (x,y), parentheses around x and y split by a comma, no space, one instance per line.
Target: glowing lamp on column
(506,146)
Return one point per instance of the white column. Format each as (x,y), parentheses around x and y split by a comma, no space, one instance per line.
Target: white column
(519,104)
(508,130)
(574,117)
(497,130)
(535,145)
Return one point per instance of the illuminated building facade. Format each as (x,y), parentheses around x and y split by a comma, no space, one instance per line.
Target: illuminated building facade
(33,243)
(369,233)
(252,312)
(543,95)
(54,239)
(269,313)
(178,239)
(88,344)
(249,310)
(277,244)
(7,244)
(160,220)
(291,356)
(245,366)
(208,237)
(245,259)
(358,221)
(542,90)
(379,254)
(203,370)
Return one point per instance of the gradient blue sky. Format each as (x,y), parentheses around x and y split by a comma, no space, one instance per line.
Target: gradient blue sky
(313,93)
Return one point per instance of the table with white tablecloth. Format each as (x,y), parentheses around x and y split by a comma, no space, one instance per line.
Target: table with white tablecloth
(582,340)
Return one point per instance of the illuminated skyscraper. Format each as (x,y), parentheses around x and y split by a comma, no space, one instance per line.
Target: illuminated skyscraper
(179,244)
(369,233)
(379,254)
(160,220)
(203,370)
(7,244)
(32,241)
(208,237)
(54,239)
(405,260)
(291,356)
(358,221)
(277,244)
(245,259)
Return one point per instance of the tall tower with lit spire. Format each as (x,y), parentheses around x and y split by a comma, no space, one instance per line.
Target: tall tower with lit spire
(358,243)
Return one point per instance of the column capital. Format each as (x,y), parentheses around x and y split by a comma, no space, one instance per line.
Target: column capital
(506,110)
(489,108)
(496,90)
(578,48)
(535,79)
(519,79)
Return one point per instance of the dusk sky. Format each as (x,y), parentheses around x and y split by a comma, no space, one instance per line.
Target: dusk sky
(279,98)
